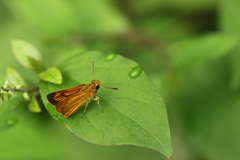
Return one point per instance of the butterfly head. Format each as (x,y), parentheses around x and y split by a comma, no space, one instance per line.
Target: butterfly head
(96,83)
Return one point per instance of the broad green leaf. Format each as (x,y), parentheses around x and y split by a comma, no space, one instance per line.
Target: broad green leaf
(33,105)
(14,78)
(11,112)
(52,75)
(187,54)
(135,114)
(27,55)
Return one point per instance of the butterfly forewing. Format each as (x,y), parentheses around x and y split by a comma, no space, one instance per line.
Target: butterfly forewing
(55,97)
(67,101)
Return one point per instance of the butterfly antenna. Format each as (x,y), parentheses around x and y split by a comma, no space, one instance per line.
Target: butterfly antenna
(110,87)
(93,69)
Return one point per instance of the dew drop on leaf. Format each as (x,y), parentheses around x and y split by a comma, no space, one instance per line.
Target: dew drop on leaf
(11,121)
(59,118)
(110,56)
(135,72)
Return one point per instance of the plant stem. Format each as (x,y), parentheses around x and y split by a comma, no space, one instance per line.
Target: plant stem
(32,89)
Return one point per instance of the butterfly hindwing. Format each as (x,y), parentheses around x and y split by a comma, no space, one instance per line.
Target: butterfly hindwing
(72,103)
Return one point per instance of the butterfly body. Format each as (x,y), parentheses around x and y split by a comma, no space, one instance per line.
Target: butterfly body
(68,101)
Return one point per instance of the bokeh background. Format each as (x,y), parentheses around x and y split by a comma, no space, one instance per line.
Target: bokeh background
(190,50)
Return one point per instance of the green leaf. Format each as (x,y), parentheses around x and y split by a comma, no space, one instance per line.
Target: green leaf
(14,77)
(135,114)
(27,55)
(52,75)
(11,112)
(33,106)
(25,95)
(196,51)
(10,94)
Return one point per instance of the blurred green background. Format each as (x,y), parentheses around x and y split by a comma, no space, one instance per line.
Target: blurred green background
(190,50)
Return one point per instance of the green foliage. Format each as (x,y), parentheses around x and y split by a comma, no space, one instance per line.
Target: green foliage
(135,114)
(52,75)
(149,124)
(27,55)
(14,77)
(33,105)
(189,49)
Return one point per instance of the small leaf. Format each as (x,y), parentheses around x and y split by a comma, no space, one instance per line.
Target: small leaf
(33,106)
(52,75)
(2,95)
(38,66)
(10,94)
(27,55)
(134,114)
(6,84)
(14,78)
(26,96)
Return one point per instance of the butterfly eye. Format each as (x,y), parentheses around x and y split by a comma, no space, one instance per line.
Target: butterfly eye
(97,87)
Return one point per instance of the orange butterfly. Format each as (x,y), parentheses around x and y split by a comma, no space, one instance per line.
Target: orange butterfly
(68,101)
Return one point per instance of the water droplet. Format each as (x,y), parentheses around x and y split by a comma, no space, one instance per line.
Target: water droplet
(59,118)
(135,72)
(11,121)
(110,56)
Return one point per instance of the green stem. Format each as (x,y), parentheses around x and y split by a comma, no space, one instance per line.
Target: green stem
(32,89)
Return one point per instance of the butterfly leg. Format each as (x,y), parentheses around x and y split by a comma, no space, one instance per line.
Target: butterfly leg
(98,102)
(85,109)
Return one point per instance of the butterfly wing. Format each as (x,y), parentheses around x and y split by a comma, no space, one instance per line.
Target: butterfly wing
(72,103)
(55,97)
